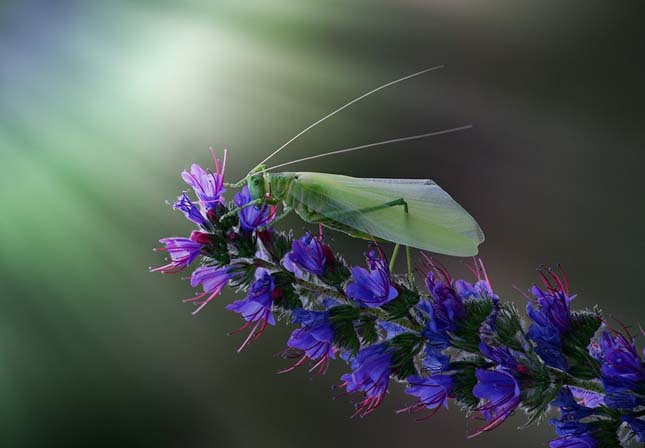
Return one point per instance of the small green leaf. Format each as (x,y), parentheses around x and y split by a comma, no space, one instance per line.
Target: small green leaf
(337,273)
(466,336)
(366,328)
(576,341)
(401,305)
(406,347)
(508,326)
(539,392)
(464,382)
(342,319)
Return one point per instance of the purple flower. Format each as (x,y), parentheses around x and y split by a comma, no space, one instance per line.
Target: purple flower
(501,395)
(391,329)
(256,307)
(445,306)
(501,356)
(182,251)
(571,414)
(579,441)
(432,392)
(553,308)
(481,290)
(372,288)
(208,186)
(253,216)
(587,398)
(551,315)
(213,279)
(370,375)
(548,345)
(622,371)
(444,309)
(311,254)
(312,341)
(435,360)
(190,210)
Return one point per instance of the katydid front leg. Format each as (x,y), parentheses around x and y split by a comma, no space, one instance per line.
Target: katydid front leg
(237,210)
(236,184)
(287,210)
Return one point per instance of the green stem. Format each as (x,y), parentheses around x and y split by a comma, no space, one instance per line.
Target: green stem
(566,378)
(583,384)
(335,294)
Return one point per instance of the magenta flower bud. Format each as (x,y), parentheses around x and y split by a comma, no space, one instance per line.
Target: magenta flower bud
(200,237)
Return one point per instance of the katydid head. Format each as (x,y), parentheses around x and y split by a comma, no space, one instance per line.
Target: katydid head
(256,182)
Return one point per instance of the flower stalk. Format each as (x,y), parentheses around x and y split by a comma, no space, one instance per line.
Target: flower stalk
(454,342)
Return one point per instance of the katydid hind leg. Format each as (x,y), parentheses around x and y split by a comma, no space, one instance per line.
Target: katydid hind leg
(374,208)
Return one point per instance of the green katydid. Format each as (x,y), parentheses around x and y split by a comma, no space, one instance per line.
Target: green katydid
(413,213)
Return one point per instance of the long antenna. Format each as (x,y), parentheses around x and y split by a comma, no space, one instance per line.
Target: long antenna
(371,145)
(396,81)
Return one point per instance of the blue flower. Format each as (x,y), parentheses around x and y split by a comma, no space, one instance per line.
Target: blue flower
(553,308)
(481,290)
(313,341)
(213,279)
(577,441)
(432,392)
(252,217)
(551,315)
(370,375)
(208,186)
(500,393)
(256,307)
(587,398)
(501,356)
(571,414)
(435,360)
(548,345)
(372,288)
(622,371)
(190,210)
(445,306)
(392,329)
(182,251)
(311,254)
(444,309)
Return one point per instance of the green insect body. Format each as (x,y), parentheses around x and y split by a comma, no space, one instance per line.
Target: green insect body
(408,212)
(414,213)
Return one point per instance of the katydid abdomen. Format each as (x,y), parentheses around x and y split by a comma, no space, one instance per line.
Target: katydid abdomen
(414,213)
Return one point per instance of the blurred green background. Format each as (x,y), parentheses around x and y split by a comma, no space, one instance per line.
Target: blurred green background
(102,104)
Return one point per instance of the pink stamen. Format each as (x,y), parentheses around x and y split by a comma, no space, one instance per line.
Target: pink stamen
(481,263)
(298,363)
(557,280)
(471,269)
(564,276)
(249,337)
(524,294)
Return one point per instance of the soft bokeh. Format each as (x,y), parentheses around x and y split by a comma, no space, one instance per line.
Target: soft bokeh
(103,103)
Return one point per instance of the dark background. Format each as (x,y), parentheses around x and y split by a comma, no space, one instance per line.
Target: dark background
(102,104)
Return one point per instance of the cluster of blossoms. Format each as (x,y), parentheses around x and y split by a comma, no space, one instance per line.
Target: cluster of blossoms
(450,341)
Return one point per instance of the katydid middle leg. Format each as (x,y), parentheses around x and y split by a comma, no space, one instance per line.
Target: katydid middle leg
(393,203)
